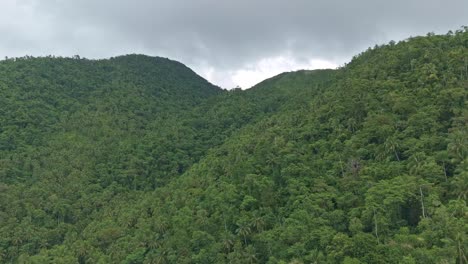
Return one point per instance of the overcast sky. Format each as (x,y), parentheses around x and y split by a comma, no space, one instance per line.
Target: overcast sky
(235,42)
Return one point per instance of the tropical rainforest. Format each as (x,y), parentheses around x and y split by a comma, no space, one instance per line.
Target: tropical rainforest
(137,159)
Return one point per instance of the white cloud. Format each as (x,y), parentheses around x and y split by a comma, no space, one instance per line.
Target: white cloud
(251,74)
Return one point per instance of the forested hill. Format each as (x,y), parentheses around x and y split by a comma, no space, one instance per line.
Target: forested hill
(139,160)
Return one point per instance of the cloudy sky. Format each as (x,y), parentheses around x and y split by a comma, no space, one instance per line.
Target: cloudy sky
(235,42)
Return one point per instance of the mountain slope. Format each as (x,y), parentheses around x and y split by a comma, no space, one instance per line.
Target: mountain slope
(364,164)
(76,134)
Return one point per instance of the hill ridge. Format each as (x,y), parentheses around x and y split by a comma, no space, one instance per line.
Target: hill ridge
(362,164)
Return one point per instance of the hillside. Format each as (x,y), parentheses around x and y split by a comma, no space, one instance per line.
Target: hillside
(139,160)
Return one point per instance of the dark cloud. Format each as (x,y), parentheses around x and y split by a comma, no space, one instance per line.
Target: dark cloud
(218,36)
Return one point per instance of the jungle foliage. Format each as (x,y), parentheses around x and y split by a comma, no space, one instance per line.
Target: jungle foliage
(137,159)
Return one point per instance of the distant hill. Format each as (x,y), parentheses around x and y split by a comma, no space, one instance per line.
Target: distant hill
(137,159)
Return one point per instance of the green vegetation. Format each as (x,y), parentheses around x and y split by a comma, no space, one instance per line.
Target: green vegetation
(139,160)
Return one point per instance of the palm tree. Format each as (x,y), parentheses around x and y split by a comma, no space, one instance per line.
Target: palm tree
(228,242)
(250,254)
(391,145)
(258,223)
(416,163)
(161,257)
(244,230)
(458,144)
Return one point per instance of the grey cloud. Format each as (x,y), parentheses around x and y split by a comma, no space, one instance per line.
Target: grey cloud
(226,34)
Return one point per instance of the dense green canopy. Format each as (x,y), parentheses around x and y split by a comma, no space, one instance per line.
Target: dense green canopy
(139,160)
